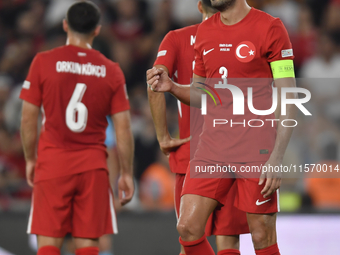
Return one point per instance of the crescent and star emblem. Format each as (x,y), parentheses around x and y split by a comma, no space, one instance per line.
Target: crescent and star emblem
(245,52)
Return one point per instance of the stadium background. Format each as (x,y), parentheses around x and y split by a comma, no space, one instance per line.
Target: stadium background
(131,33)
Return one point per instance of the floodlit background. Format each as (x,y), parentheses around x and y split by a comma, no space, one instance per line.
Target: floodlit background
(132,31)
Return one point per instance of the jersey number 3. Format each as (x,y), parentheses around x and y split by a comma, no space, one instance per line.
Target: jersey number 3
(76,111)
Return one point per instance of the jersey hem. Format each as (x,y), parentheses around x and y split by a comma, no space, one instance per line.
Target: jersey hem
(67,174)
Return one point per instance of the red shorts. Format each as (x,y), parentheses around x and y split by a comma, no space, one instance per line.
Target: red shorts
(80,204)
(225,220)
(247,196)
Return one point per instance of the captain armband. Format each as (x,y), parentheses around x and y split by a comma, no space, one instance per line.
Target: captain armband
(283,69)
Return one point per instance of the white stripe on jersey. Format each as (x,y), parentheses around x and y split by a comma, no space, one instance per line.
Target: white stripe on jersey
(29,227)
(113,214)
(179,108)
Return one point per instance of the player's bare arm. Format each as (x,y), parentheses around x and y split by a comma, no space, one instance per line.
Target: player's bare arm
(159,81)
(29,134)
(282,138)
(125,149)
(158,110)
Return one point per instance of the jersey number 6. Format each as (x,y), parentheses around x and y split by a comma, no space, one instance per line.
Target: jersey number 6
(76,111)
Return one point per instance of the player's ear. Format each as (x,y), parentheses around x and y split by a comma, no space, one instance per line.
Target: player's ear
(200,7)
(65,25)
(97,30)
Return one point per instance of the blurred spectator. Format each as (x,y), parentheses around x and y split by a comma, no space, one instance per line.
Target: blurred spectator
(157,186)
(9,11)
(324,188)
(146,144)
(186,12)
(55,13)
(327,61)
(16,59)
(130,22)
(318,9)
(12,110)
(323,76)
(304,39)
(129,28)
(5,85)
(286,10)
(332,15)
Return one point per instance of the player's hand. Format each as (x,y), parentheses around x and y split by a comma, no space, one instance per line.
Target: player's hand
(30,165)
(170,144)
(126,188)
(158,80)
(273,179)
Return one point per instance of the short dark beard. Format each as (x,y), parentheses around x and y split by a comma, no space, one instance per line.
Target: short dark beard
(225,5)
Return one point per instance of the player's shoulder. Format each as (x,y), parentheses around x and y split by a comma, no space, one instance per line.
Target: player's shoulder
(189,30)
(114,65)
(178,35)
(45,54)
(55,51)
(265,19)
(101,58)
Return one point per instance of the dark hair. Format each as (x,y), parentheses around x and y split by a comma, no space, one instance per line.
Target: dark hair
(83,17)
(207,4)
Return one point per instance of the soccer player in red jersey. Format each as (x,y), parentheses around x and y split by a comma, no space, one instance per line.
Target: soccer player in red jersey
(75,87)
(176,56)
(237,42)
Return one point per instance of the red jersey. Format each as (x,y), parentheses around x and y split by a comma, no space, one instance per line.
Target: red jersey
(76,88)
(244,50)
(176,52)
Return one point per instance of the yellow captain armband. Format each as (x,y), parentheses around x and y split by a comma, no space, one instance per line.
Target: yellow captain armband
(283,69)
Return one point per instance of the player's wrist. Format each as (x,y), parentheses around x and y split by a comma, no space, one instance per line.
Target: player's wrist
(276,157)
(126,172)
(173,88)
(30,160)
(162,139)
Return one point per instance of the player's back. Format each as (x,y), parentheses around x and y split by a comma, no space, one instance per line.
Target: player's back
(76,88)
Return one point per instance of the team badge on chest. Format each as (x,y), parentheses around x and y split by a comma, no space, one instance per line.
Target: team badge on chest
(245,52)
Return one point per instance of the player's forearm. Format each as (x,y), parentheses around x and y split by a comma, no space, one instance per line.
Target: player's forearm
(284,133)
(125,149)
(29,133)
(187,94)
(158,110)
(29,129)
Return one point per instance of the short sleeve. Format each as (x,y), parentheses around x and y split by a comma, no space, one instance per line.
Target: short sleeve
(199,68)
(167,52)
(278,43)
(32,87)
(120,98)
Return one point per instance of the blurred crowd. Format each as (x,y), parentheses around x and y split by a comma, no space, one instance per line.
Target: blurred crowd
(131,33)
